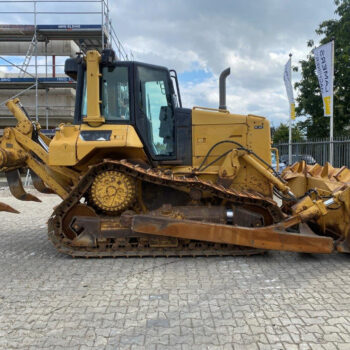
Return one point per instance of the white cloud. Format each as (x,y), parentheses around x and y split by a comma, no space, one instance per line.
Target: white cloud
(268,102)
(253,37)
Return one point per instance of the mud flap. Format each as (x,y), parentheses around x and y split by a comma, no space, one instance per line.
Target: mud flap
(16,187)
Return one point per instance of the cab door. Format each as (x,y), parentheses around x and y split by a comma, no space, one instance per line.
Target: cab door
(154,106)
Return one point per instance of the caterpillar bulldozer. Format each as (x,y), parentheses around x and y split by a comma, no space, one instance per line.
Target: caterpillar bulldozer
(139,175)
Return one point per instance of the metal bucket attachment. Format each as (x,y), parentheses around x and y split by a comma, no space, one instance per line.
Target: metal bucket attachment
(39,184)
(5,207)
(16,187)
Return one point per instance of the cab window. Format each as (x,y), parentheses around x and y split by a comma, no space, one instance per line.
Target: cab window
(115,94)
(155,101)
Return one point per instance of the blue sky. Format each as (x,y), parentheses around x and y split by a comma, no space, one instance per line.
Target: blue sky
(195,76)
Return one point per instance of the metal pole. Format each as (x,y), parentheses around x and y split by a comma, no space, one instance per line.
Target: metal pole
(46,58)
(290,120)
(46,90)
(36,66)
(109,27)
(53,66)
(102,25)
(331,146)
(47,107)
(290,142)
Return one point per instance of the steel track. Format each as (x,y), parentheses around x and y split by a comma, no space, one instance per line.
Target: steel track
(143,249)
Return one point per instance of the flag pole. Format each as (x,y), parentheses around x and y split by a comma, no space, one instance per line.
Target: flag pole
(331,145)
(290,120)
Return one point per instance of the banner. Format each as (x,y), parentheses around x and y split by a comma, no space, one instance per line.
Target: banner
(324,69)
(289,88)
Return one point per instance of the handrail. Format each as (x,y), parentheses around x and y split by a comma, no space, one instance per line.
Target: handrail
(212,109)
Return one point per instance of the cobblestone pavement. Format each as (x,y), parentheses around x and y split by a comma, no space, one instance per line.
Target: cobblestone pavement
(275,301)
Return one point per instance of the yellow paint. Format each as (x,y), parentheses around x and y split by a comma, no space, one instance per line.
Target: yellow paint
(113,191)
(13,106)
(327,181)
(62,149)
(292,111)
(123,136)
(93,75)
(30,145)
(275,150)
(67,147)
(253,132)
(327,105)
(266,173)
(230,166)
(50,179)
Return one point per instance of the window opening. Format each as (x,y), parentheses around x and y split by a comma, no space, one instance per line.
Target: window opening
(156,103)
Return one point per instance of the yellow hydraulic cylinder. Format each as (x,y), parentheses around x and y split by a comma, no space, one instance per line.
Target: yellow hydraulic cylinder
(15,109)
(263,171)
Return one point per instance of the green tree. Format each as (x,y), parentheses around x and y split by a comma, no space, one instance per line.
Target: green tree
(309,99)
(281,134)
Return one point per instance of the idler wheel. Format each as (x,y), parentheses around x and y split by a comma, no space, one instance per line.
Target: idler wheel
(77,210)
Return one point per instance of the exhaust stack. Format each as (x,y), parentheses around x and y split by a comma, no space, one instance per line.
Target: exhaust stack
(222,88)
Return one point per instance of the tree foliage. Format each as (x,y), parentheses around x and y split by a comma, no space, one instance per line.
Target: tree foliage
(309,99)
(281,134)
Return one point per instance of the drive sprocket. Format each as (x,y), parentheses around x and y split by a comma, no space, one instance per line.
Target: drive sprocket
(113,191)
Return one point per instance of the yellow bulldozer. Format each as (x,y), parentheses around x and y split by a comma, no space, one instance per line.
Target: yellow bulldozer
(139,175)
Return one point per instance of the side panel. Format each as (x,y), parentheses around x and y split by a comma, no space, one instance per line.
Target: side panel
(72,143)
(62,149)
(210,128)
(259,141)
(122,136)
(252,132)
(259,137)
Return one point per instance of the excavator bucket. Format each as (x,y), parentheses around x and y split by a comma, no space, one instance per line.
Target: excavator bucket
(16,187)
(39,184)
(5,207)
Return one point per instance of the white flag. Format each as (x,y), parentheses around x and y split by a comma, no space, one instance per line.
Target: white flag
(324,69)
(289,88)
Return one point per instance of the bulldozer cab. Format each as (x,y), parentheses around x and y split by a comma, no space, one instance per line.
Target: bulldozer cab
(138,94)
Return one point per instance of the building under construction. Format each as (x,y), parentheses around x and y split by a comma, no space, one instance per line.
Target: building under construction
(32,54)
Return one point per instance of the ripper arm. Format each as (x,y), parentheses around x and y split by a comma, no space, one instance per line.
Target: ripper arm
(25,146)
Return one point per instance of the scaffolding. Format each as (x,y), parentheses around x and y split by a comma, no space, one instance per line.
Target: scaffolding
(37,39)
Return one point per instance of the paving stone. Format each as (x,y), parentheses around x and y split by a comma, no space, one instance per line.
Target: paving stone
(164,323)
(276,301)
